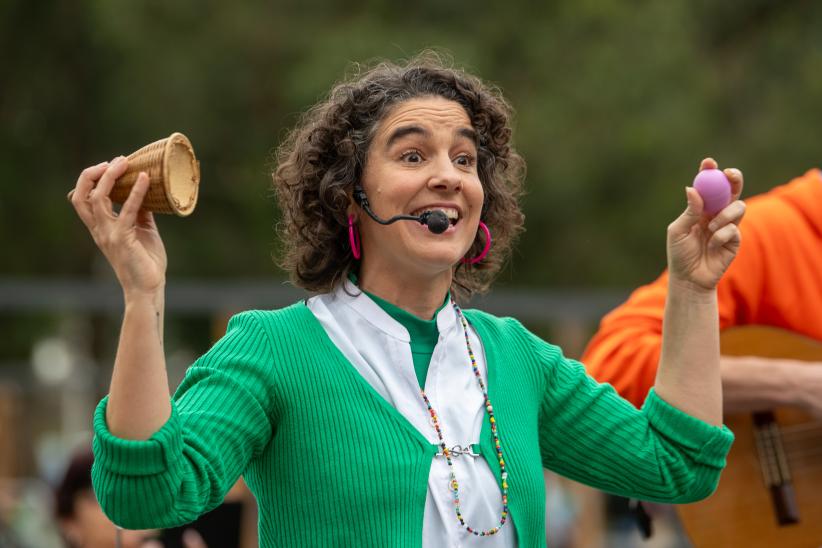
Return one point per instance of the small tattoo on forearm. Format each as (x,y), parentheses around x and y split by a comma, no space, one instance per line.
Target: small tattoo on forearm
(159,326)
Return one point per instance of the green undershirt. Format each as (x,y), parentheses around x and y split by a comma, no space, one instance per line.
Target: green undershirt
(424,333)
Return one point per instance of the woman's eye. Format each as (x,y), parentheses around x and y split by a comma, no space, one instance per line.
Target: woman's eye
(465,160)
(412,156)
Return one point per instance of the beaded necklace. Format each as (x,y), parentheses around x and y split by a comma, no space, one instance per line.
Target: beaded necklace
(453,484)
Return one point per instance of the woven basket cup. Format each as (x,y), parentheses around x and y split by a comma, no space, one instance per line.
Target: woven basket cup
(173,172)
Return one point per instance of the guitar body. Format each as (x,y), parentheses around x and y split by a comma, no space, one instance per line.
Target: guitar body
(745,511)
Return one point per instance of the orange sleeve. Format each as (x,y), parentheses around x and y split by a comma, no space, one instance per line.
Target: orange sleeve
(740,291)
(625,351)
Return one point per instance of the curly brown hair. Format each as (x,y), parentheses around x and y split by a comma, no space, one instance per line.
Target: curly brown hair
(323,158)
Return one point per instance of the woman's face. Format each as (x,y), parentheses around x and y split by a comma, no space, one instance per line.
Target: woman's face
(423,157)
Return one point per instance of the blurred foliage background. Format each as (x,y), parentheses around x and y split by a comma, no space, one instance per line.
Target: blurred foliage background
(617,102)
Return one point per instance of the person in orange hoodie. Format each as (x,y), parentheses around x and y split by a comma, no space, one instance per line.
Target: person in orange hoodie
(776,280)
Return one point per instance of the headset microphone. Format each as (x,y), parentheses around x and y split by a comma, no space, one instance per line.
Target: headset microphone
(436,221)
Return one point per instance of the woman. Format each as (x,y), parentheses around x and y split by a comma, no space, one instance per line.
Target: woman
(378,413)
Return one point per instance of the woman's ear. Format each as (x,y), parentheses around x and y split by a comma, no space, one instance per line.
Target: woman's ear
(357,200)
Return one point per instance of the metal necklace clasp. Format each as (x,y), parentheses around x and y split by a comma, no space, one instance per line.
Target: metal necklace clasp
(459,450)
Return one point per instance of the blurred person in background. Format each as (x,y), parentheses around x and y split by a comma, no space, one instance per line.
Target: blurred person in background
(82,522)
(776,281)
(378,412)
(80,518)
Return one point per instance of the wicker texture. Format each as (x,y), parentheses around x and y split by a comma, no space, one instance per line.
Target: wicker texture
(165,160)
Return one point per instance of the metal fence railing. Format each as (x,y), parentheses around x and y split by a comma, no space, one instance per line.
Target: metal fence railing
(208,297)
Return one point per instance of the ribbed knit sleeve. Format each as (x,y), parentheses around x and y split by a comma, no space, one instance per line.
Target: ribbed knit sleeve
(220,420)
(590,434)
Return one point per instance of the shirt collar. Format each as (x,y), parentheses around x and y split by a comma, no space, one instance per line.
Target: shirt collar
(356,299)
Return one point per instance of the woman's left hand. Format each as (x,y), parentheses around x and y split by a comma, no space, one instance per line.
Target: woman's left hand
(701,248)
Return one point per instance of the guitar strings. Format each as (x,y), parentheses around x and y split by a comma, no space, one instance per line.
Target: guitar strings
(802,444)
(798,457)
(805,426)
(799,437)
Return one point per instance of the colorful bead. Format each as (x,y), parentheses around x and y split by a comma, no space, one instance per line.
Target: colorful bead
(447,453)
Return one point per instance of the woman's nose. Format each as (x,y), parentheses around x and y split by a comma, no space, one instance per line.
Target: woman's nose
(446,177)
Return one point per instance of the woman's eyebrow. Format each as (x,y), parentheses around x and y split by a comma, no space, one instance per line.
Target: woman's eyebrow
(470,134)
(404,131)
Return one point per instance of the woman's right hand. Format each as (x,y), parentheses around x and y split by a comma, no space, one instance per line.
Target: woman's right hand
(129,239)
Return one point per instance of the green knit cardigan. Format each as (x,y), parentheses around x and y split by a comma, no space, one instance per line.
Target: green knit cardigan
(331,463)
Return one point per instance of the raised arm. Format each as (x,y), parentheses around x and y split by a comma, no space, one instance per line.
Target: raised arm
(700,250)
(139,396)
(770,275)
(160,463)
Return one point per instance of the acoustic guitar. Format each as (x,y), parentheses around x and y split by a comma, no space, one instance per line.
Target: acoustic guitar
(770,493)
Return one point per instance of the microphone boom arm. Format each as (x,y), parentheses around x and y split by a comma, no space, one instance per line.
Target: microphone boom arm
(436,220)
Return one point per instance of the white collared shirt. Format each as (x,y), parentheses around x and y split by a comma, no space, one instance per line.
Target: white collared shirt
(379,349)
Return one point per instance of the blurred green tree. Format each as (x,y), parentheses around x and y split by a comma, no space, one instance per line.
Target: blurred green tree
(617,102)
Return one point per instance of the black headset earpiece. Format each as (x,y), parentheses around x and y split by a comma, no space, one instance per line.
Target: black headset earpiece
(359,197)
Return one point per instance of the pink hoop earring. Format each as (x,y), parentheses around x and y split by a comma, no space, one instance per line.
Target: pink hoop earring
(354,238)
(485,249)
